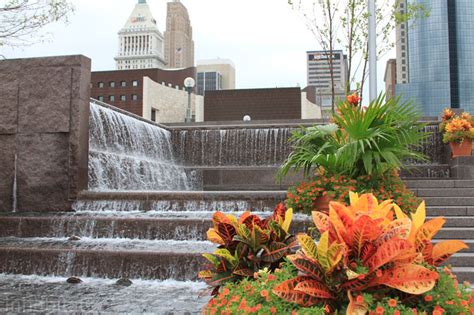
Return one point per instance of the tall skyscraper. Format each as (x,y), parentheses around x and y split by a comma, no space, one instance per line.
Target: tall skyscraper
(441,57)
(402,46)
(215,74)
(319,74)
(179,44)
(140,41)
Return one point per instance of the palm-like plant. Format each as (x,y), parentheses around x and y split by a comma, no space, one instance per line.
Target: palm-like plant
(363,141)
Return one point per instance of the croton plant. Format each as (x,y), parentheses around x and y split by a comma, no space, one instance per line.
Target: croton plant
(370,256)
(366,247)
(247,245)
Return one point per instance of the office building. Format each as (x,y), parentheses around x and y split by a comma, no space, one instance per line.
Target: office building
(140,41)
(215,74)
(402,46)
(390,78)
(179,44)
(441,57)
(319,71)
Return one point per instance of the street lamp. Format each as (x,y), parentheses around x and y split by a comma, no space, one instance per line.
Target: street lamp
(189,84)
(372,50)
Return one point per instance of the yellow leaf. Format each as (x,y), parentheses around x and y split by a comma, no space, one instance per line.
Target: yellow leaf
(308,245)
(323,246)
(399,213)
(214,237)
(418,218)
(288,217)
(354,198)
(335,253)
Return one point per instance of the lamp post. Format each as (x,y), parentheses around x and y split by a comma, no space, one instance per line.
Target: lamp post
(189,84)
(372,50)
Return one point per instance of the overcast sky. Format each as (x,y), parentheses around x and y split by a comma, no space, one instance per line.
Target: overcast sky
(266,39)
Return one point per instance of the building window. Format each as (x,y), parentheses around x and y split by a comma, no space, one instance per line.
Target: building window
(134,97)
(100,84)
(100,98)
(153,114)
(123,83)
(112,84)
(112,98)
(123,98)
(134,83)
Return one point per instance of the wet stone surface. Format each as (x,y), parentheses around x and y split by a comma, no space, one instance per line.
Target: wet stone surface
(52,295)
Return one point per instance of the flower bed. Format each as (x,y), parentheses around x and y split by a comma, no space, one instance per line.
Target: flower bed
(371,258)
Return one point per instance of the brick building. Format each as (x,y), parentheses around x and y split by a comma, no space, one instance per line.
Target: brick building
(124,88)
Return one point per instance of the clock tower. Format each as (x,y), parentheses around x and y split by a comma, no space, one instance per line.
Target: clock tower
(141,43)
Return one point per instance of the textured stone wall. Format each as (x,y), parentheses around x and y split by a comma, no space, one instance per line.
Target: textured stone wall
(44,125)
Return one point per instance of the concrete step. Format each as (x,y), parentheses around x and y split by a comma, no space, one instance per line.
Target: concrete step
(464,274)
(103,258)
(449,201)
(467,221)
(454,233)
(180,226)
(446,192)
(461,260)
(439,183)
(448,211)
(180,201)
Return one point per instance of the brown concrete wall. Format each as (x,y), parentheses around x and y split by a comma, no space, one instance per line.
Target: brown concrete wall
(260,104)
(44,129)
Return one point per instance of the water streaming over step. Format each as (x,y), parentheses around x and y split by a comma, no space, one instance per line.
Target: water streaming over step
(233,147)
(129,154)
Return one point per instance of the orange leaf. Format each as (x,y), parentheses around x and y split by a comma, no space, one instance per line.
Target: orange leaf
(364,230)
(444,250)
(315,289)
(214,237)
(355,308)
(412,279)
(387,252)
(286,291)
(321,221)
(399,228)
(427,231)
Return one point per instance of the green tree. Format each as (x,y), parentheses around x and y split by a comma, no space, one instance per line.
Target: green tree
(22,20)
(344,23)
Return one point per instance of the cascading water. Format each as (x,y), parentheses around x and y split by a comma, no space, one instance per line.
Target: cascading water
(127,154)
(233,147)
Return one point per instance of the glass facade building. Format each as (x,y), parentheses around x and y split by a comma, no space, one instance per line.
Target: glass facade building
(441,57)
(208,81)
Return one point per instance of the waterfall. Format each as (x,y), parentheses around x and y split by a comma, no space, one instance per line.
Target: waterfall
(128,154)
(233,146)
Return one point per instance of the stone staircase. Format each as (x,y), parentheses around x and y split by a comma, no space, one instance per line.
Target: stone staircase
(454,200)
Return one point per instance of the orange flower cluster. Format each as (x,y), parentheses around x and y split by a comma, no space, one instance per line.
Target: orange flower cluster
(458,125)
(447,114)
(354,99)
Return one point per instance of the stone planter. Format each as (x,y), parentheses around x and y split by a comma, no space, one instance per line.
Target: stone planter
(461,149)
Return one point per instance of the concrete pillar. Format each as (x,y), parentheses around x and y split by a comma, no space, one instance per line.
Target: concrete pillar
(44,130)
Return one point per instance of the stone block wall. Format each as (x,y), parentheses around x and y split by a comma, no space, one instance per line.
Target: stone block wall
(44,127)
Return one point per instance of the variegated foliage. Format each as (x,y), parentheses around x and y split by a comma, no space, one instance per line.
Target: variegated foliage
(246,245)
(365,247)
